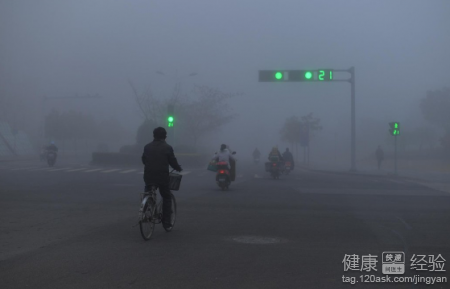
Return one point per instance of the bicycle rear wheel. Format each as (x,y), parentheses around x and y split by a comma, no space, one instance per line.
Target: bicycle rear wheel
(173,217)
(146,224)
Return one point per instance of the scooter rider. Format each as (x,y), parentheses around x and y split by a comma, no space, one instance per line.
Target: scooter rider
(287,156)
(224,155)
(275,156)
(52,147)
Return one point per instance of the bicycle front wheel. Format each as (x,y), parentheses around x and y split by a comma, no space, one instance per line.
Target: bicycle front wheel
(147,224)
(173,217)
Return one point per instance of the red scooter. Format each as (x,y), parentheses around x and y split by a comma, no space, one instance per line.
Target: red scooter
(223,178)
(287,167)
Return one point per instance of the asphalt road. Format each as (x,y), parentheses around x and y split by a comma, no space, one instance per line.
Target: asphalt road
(73,226)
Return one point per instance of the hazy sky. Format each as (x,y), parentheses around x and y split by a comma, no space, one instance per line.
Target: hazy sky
(400,49)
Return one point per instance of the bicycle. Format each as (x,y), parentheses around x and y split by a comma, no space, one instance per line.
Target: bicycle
(150,212)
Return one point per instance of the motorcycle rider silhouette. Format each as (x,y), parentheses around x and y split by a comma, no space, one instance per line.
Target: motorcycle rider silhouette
(288,157)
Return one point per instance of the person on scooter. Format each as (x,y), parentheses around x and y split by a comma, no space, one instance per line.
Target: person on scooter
(52,147)
(287,156)
(275,156)
(224,155)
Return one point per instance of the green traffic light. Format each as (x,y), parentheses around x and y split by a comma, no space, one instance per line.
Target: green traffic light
(278,75)
(308,75)
(170,119)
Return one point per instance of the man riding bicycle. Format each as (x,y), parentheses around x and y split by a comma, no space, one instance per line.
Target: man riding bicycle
(157,157)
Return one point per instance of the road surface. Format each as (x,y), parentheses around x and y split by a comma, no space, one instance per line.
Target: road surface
(73,226)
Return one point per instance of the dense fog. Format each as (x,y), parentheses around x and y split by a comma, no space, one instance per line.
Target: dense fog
(400,50)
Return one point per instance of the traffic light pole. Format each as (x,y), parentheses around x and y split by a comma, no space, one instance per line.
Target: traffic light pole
(351,70)
(325,75)
(353,145)
(395,154)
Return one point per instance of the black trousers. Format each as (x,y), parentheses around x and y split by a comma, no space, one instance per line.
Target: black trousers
(161,180)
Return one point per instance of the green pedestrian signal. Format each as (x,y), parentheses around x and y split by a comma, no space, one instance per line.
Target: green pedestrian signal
(395,128)
(170,121)
(170,113)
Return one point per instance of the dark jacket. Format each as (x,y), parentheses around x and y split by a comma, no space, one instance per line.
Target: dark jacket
(52,148)
(287,156)
(157,158)
(276,154)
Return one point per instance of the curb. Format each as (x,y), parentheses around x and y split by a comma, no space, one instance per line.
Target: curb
(363,174)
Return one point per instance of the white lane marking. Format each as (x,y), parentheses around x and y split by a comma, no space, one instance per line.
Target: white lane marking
(110,171)
(61,169)
(75,170)
(40,169)
(240,176)
(184,173)
(93,170)
(404,223)
(257,176)
(128,171)
(27,168)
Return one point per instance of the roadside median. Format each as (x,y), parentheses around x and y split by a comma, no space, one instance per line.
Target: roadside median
(427,176)
(191,160)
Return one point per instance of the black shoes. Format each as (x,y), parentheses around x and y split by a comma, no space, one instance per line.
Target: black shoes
(166,224)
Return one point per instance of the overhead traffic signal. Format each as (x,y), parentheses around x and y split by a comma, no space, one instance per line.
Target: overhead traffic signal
(295,75)
(395,128)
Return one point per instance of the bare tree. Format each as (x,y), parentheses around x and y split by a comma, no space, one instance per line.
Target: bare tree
(290,132)
(207,113)
(297,131)
(149,106)
(436,107)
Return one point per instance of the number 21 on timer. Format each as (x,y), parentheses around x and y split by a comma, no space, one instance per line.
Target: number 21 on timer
(322,75)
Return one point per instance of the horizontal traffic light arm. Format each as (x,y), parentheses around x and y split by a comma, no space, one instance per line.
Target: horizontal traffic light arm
(296,75)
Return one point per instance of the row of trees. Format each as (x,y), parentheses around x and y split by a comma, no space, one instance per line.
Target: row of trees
(299,131)
(75,126)
(204,111)
(435,109)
